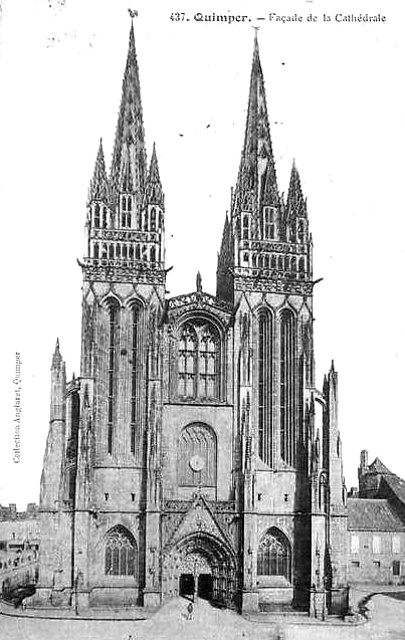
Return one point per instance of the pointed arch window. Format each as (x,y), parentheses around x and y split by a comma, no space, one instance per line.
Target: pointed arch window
(198,362)
(135,428)
(265,395)
(274,555)
(121,553)
(287,387)
(113,313)
(197,456)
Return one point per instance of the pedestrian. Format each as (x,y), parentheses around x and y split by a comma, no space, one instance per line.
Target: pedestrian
(190,609)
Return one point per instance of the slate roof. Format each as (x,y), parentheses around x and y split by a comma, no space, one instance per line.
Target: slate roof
(372,514)
(397,486)
(379,467)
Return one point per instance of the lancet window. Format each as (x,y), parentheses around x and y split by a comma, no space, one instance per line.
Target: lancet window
(134,433)
(265,358)
(112,348)
(287,387)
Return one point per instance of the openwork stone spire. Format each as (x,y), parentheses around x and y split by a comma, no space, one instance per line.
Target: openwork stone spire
(128,169)
(267,244)
(257,183)
(125,212)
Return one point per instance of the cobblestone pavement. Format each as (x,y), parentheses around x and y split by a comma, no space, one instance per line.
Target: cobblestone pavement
(170,623)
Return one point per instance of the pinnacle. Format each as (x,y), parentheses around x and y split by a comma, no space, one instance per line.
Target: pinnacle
(296,203)
(154,167)
(99,183)
(154,186)
(56,358)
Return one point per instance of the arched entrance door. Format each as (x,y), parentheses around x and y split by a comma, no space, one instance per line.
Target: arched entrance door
(203,561)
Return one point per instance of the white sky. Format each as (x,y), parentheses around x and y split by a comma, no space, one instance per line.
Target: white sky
(336,104)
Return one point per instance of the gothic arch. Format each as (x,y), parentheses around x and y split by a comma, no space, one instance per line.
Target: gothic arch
(274,554)
(134,301)
(110,300)
(197,455)
(201,552)
(202,315)
(120,552)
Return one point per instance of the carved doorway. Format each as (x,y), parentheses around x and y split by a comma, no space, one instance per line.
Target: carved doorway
(211,565)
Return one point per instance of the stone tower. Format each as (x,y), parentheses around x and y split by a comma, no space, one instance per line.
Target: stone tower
(111,475)
(290,474)
(187,456)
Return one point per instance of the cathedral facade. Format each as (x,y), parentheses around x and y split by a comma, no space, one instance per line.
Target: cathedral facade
(185,458)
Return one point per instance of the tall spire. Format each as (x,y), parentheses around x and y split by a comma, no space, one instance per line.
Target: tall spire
(99,183)
(257,183)
(128,169)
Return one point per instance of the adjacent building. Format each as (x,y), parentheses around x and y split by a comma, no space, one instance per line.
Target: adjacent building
(377,526)
(19,547)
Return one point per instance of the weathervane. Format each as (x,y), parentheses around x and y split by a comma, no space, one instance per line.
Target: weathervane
(133,13)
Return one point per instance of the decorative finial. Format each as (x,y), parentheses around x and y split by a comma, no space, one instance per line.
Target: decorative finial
(133,13)
(199,282)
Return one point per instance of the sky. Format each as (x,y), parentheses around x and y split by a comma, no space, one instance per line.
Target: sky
(336,105)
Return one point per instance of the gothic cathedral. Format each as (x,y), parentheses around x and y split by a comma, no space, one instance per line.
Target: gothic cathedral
(186,458)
